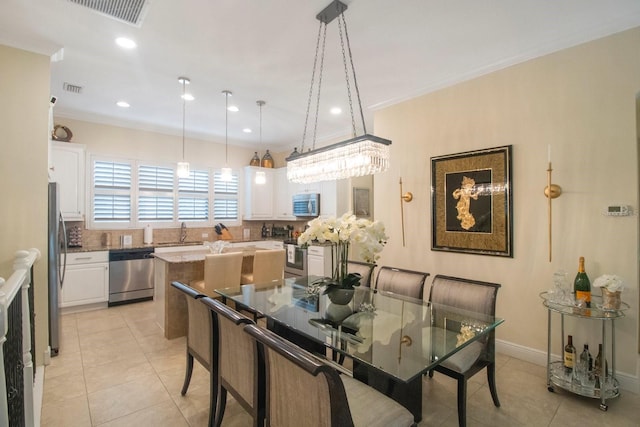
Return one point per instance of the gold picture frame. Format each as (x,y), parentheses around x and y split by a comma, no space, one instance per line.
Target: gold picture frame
(471,202)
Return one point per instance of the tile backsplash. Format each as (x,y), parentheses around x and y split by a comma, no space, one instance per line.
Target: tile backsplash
(96,238)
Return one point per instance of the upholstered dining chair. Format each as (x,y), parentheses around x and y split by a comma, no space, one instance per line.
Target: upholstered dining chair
(476,296)
(364,269)
(268,265)
(220,271)
(303,391)
(404,282)
(238,369)
(199,338)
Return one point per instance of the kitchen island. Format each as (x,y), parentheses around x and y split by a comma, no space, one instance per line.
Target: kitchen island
(182,266)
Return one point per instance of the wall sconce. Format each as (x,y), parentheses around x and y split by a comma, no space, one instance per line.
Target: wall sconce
(551,191)
(404,197)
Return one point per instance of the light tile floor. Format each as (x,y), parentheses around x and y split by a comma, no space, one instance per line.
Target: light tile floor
(116,369)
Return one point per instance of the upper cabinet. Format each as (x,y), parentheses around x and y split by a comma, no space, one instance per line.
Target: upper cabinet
(334,198)
(283,196)
(258,197)
(67,169)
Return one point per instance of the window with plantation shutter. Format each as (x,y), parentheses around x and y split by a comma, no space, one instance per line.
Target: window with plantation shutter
(155,193)
(112,192)
(193,196)
(225,198)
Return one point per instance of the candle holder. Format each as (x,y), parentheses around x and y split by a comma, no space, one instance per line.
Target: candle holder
(551,191)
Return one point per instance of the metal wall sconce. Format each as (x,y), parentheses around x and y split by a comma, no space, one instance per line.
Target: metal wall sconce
(404,197)
(551,191)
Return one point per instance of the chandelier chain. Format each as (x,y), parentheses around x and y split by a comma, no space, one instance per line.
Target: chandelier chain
(315,126)
(346,74)
(355,80)
(313,75)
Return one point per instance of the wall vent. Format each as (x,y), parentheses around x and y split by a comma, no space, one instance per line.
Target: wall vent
(68,87)
(129,11)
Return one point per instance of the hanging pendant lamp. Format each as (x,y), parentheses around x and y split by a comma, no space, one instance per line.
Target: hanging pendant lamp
(261,176)
(361,155)
(227,173)
(183,166)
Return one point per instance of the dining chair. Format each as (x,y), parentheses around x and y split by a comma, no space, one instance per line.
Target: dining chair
(199,338)
(404,282)
(239,371)
(268,265)
(475,296)
(302,391)
(220,271)
(365,270)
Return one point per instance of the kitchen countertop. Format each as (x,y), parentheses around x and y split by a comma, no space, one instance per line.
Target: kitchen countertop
(95,248)
(197,255)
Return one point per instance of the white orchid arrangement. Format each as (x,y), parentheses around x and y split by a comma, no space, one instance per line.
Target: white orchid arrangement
(340,233)
(370,235)
(611,282)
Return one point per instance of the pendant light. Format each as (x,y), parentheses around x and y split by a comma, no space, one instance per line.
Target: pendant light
(227,174)
(183,166)
(361,155)
(261,176)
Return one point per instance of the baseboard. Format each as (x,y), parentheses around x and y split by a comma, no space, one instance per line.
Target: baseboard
(38,390)
(626,381)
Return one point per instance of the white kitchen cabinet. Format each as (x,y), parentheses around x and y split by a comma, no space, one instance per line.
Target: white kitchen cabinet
(258,197)
(86,280)
(319,261)
(334,198)
(67,169)
(283,196)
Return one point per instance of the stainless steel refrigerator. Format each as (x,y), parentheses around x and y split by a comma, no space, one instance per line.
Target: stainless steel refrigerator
(57,246)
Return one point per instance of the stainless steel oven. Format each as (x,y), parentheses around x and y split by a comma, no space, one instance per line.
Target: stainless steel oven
(296,265)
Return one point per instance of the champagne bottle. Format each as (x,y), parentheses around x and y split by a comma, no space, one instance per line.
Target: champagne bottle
(581,284)
(569,356)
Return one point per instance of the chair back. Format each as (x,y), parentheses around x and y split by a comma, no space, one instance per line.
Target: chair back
(300,390)
(465,294)
(404,282)
(268,265)
(199,325)
(236,361)
(221,271)
(364,269)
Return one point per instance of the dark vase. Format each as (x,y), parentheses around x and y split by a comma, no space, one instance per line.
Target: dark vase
(340,296)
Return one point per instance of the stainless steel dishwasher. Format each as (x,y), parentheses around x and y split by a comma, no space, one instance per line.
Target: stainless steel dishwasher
(130,275)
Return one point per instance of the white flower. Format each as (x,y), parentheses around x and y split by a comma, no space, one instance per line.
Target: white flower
(370,235)
(612,282)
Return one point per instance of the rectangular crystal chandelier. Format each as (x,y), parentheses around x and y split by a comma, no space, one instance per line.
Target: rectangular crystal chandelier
(363,155)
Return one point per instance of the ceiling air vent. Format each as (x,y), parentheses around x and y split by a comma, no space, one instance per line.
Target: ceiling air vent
(129,11)
(72,88)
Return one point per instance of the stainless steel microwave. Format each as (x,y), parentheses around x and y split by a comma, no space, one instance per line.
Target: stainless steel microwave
(306,205)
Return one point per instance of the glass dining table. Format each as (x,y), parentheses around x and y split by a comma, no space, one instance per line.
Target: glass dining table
(391,340)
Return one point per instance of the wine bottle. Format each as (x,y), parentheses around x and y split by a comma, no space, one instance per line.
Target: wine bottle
(582,285)
(585,364)
(600,363)
(569,356)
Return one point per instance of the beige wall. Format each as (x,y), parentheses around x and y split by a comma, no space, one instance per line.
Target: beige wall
(24,89)
(582,102)
(139,144)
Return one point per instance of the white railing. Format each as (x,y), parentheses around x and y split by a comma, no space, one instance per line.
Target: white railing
(20,281)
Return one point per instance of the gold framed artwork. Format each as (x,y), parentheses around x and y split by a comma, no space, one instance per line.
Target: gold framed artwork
(361,203)
(471,202)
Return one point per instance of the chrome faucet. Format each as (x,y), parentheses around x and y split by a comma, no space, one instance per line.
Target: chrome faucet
(183,232)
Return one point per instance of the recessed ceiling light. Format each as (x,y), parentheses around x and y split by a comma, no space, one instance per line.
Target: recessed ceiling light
(247,130)
(123,104)
(187,97)
(125,43)
(233,108)
(336,110)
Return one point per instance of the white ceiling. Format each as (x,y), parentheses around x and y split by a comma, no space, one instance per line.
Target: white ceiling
(264,49)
